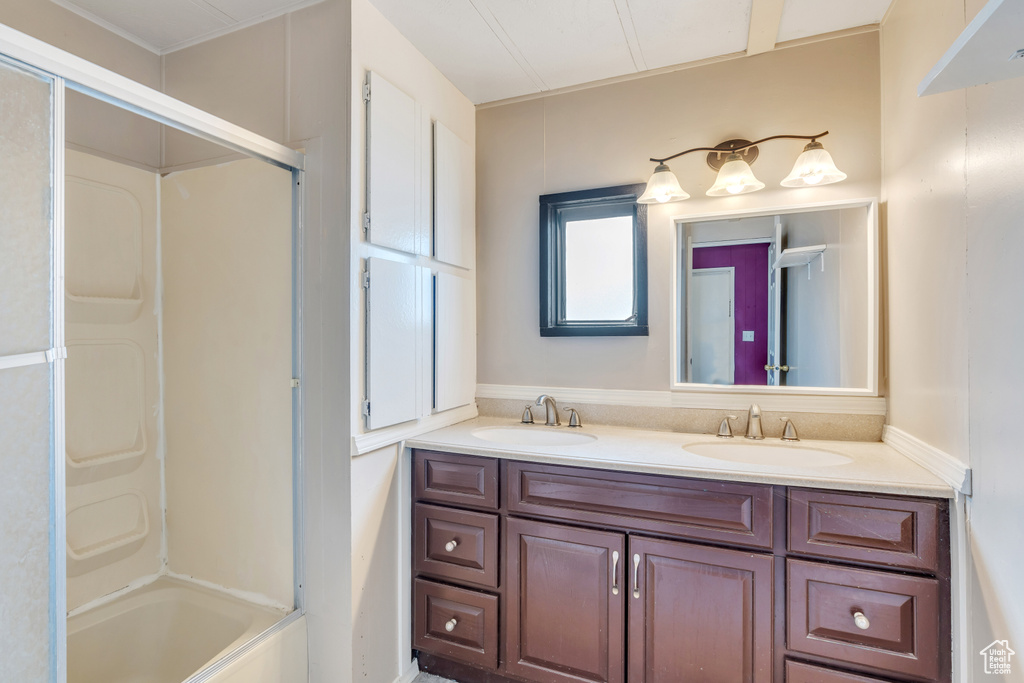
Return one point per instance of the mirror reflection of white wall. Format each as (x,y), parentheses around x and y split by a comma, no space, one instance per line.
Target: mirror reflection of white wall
(599,269)
(808,322)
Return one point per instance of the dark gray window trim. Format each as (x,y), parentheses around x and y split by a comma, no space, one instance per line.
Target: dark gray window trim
(552,258)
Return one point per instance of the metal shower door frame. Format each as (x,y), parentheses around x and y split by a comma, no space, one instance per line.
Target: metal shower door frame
(68,71)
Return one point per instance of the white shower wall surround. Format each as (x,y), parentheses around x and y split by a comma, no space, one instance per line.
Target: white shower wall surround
(115,522)
(178,287)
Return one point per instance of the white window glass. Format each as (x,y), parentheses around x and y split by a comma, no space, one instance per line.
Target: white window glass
(599,269)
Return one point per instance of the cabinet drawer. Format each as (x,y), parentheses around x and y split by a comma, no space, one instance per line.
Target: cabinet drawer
(798,672)
(457,479)
(740,514)
(889,531)
(456,544)
(456,623)
(901,632)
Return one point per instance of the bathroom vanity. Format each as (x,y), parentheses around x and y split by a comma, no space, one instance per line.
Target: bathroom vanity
(534,564)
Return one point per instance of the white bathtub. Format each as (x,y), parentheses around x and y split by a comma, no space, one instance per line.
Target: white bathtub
(161,633)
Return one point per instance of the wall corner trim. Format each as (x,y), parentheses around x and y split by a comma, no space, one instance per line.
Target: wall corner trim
(377,439)
(938,462)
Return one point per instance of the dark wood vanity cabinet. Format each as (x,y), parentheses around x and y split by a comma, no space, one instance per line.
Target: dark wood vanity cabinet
(555,574)
(564,603)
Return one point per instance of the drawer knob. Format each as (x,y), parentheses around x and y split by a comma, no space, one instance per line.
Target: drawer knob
(861,621)
(449,547)
(450,625)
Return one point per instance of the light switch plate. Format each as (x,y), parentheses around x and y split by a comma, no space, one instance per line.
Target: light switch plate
(748,335)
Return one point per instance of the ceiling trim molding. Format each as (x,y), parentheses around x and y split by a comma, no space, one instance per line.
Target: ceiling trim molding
(765,17)
(831,35)
(238,26)
(217,33)
(610,81)
(844,33)
(106,25)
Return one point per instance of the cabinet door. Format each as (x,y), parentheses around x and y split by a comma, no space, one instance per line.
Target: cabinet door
(398,332)
(454,341)
(397,169)
(565,613)
(698,613)
(454,198)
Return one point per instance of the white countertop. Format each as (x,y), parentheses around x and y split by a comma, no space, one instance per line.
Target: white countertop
(874,467)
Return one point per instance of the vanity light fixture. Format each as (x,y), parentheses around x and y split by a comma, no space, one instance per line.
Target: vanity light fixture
(732,160)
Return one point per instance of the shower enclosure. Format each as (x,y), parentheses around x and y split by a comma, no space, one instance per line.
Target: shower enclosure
(150,398)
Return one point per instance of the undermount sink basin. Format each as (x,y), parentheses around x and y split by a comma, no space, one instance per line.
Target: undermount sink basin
(767,454)
(533,436)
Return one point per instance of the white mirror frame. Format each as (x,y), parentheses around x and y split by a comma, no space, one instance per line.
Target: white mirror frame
(863,400)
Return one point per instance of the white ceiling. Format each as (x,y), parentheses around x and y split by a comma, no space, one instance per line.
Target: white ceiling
(163,26)
(496,49)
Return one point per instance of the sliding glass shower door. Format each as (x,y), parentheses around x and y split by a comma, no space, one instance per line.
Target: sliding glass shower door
(32,631)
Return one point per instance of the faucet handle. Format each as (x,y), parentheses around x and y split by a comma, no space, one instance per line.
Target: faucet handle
(574,417)
(789,431)
(528,416)
(725,429)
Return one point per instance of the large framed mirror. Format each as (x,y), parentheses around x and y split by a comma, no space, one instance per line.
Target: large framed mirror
(781,300)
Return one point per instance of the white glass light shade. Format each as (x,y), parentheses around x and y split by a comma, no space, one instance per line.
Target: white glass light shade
(662,187)
(735,177)
(813,167)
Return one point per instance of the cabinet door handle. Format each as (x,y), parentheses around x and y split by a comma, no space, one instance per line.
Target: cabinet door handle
(861,621)
(450,546)
(615,572)
(450,625)
(636,575)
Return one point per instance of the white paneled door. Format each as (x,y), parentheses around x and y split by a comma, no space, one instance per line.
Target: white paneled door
(454,199)
(398,334)
(397,169)
(455,341)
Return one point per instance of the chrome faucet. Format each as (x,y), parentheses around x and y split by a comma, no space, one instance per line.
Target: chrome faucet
(789,430)
(551,410)
(754,422)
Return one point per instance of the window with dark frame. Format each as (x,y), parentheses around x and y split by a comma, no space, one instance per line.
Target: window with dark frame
(593,263)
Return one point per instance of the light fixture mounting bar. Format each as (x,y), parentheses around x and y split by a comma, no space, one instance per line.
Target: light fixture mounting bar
(812,138)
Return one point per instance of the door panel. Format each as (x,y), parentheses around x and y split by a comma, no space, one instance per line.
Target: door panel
(31,594)
(398,368)
(712,357)
(698,614)
(565,604)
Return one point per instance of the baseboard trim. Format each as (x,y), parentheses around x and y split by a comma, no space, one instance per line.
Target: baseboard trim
(386,436)
(708,400)
(938,462)
(410,674)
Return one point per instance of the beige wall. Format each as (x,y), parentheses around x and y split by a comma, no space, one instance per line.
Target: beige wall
(604,136)
(227,361)
(380,560)
(953,175)
(925,228)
